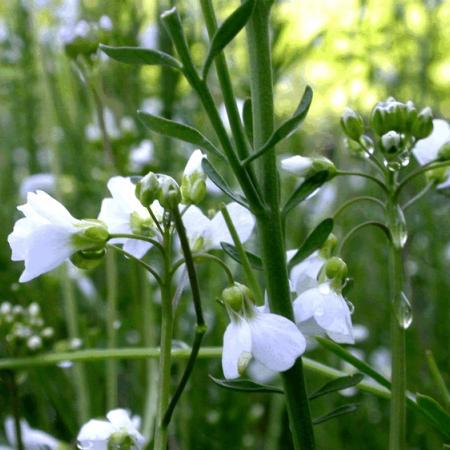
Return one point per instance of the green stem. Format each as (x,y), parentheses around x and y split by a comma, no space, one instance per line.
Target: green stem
(352,201)
(15,407)
(397,428)
(251,279)
(138,237)
(438,380)
(418,196)
(79,372)
(369,223)
(111,331)
(269,224)
(161,436)
(362,175)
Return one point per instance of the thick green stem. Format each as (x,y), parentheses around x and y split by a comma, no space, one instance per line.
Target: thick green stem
(269,224)
(397,429)
(111,331)
(161,436)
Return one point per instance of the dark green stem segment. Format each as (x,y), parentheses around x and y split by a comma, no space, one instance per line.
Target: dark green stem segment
(15,406)
(270,228)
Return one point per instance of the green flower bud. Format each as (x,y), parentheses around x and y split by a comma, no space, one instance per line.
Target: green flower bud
(237,296)
(411,115)
(93,235)
(444,152)
(352,124)
(335,270)
(193,189)
(423,125)
(328,247)
(148,189)
(120,440)
(323,164)
(88,259)
(169,195)
(378,119)
(391,142)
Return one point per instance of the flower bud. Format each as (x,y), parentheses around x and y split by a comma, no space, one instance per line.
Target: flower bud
(121,440)
(336,270)
(297,165)
(352,124)
(444,152)
(411,115)
(169,194)
(423,125)
(437,176)
(321,164)
(87,259)
(193,185)
(93,235)
(236,297)
(148,189)
(391,141)
(378,119)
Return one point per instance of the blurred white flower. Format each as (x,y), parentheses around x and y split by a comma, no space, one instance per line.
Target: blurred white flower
(148,38)
(322,310)
(38,181)
(224,115)
(272,340)
(102,434)
(205,234)
(124,214)
(32,439)
(105,23)
(380,359)
(141,156)
(297,165)
(426,150)
(48,235)
(194,164)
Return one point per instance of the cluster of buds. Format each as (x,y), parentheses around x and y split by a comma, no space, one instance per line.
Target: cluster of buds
(160,187)
(395,127)
(22,330)
(83,39)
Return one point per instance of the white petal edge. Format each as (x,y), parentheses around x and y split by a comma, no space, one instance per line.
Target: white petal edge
(236,340)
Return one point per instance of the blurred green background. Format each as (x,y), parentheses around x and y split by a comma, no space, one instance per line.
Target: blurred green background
(353,53)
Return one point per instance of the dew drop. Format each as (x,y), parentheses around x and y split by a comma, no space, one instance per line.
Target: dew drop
(351,306)
(403,311)
(397,226)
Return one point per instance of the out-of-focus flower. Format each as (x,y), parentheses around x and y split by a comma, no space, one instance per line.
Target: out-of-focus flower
(272,340)
(118,430)
(39,181)
(141,156)
(303,167)
(124,214)
(32,439)
(49,234)
(148,38)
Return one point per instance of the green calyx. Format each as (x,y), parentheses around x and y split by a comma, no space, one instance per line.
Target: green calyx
(320,164)
(120,441)
(239,299)
(142,225)
(93,235)
(353,124)
(88,259)
(148,189)
(444,152)
(328,247)
(193,189)
(423,125)
(336,270)
(169,194)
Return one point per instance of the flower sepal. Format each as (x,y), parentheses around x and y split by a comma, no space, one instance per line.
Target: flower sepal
(92,235)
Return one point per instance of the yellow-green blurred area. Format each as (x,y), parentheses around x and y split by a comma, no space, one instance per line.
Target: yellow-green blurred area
(352,53)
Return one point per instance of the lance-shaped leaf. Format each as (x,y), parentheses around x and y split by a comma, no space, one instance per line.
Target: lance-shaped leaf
(435,412)
(308,187)
(344,409)
(287,127)
(247,116)
(254,260)
(143,56)
(337,385)
(313,242)
(217,179)
(178,131)
(245,386)
(227,31)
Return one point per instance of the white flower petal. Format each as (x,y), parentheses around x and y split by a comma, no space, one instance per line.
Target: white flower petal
(18,239)
(426,150)
(236,341)
(297,165)
(194,164)
(48,246)
(95,434)
(116,219)
(123,192)
(304,275)
(243,221)
(276,341)
(305,305)
(32,439)
(197,226)
(137,247)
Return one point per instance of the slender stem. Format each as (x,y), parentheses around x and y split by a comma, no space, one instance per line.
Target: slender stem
(139,261)
(137,237)
(269,224)
(426,168)
(418,196)
(161,436)
(111,331)
(352,201)
(152,215)
(438,380)
(253,283)
(369,223)
(397,428)
(15,406)
(362,175)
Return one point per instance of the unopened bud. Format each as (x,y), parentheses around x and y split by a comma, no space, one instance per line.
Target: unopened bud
(169,194)
(322,164)
(297,165)
(87,259)
(391,141)
(352,124)
(444,152)
(336,269)
(193,190)
(237,296)
(423,125)
(378,120)
(148,189)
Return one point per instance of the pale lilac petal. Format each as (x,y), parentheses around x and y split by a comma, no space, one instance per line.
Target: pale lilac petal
(94,434)
(136,247)
(123,192)
(121,421)
(197,226)
(236,342)
(305,305)
(48,247)
(426,150)
(276,341)
(18,239)
(304,275)
(194,164)
(116,219)
(243,221)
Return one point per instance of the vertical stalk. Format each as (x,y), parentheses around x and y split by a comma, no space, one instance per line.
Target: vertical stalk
(269,224)
(15,406)
(161,436)
(111,321)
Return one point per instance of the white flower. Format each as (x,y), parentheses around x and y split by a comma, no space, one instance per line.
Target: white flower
(426,150)
(323,310)
(194,164)
(205,234)
(304,275)
(105,23)
(45,237)
(141,155)
(32,439)
(42,181)
(297,165)
(148,38)
(124,214)
(95,434)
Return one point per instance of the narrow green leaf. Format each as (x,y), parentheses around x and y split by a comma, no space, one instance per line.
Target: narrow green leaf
(287,127)
(217,179)
(310,185)
(227,31)
(435,412)
(345,409)
(178,131)
(254,260)
(245,386)
(337,385)
(143,56)
(247,115)
(313,242)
